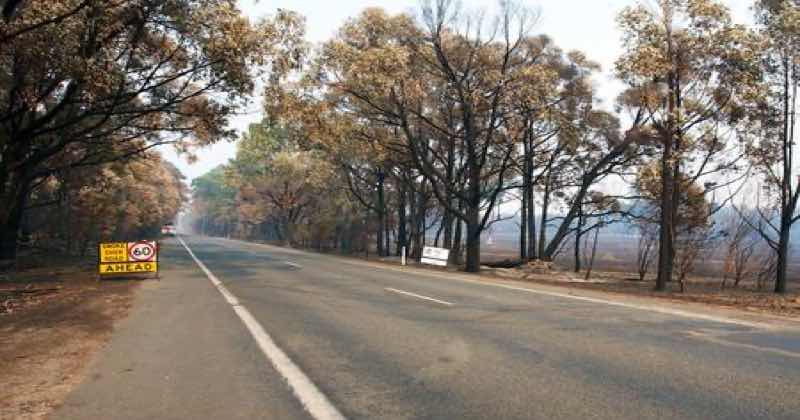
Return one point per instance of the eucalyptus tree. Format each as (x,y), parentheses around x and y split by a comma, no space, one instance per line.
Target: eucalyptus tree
(114,79)
(693,71)
(772,149)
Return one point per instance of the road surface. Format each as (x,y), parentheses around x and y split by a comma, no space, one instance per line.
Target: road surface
(294,335)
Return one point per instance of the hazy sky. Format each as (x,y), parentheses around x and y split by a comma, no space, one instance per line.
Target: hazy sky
(585,25)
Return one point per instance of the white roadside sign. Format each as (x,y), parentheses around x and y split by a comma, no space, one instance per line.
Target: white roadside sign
(435,256)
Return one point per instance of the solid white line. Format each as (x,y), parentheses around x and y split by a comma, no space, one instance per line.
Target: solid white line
(312,399)
(403,292)
(722,341)
(648,308)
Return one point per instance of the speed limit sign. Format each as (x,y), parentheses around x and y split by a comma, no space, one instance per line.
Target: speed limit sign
(116,258)
(142,251)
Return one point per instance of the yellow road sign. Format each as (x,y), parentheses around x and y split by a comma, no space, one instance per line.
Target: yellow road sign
(128,267)
(128,257)
(114,252)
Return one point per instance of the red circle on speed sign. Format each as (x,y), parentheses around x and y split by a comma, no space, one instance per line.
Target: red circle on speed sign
(142,251)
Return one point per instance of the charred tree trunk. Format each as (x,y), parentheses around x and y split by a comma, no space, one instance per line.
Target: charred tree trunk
(670,176)
(532,254)
(578,236)
(473,240)
(381,213)
(782,265)
(594,253)
(543,221)
(788,202)
(455,253)
(473,263)
(418,223)
(448,217)
(666,219)
(15,197)
(523,228)
(402,234)
(528,196)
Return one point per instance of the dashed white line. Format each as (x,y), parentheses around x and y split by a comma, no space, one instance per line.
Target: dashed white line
(403,292)
(312,399)
(641,307)
(291,264)
(655,307)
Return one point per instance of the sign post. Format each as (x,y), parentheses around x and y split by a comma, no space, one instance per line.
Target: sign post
(128,257)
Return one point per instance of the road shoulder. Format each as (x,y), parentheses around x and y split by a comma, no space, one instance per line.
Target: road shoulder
(182,353)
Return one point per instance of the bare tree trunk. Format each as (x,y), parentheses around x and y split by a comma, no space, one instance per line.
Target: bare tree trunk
(9,230)
(782,264)
(387,235)
(418,223)
(787,196)
(527,249)
(543,221)
(666,250)
(670,175)
(594,253)
(473,240)
(473,205)
(381,213)
(402,234)
(448,218)
(532,255)
(523,228)
(455,253)
(438,235)
(666,228)
(578,236)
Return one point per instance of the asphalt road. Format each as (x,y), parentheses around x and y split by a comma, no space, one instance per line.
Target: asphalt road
(382,343)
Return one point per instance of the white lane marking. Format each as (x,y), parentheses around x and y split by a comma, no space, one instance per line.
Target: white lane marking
(722,341)
(403,292)
(640,307)
(312,399)
(291,264)
(649,308)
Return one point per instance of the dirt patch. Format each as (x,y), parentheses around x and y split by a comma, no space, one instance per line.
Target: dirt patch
(52,320)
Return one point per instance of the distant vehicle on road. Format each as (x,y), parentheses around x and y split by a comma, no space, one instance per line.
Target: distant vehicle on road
(169,230)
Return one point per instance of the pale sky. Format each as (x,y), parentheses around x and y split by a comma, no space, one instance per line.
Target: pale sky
(585,25)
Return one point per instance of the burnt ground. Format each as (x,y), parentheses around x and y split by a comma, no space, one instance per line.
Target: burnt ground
(52,320)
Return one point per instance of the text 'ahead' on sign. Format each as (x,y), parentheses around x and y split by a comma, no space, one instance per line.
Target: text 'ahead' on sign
(435,256)
(128,257)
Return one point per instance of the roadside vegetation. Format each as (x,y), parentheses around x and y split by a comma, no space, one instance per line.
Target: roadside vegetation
(410,130)
(91,92)
(90,89)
